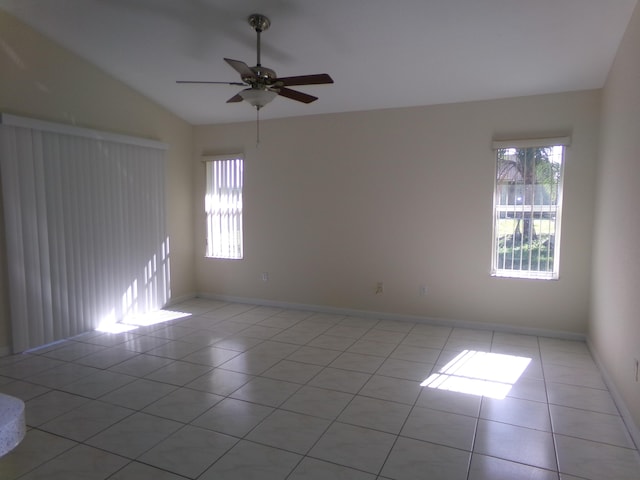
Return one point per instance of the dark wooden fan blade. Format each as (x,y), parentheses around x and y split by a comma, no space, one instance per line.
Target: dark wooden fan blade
(240,67)
(236,98)
(305,80)
(215,83)
(295,95)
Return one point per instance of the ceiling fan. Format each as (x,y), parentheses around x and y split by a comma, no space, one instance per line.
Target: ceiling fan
(264,85)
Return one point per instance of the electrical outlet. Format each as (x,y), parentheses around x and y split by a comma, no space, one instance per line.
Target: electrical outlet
(422,290)
(264,276)
(637,366)
(379,288)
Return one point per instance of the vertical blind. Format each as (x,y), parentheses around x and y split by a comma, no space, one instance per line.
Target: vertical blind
(85,228)
(223,206)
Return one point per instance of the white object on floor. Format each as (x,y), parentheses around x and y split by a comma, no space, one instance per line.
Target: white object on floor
(12,423)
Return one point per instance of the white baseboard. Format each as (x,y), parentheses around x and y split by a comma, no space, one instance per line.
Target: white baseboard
(540,332)
(181,298)
(634,430)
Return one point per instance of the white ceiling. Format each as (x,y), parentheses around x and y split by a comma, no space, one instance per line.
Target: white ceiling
(381,53)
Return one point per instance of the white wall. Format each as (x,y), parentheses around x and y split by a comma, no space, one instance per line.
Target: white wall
(39,79)
(335,203)
(614,328)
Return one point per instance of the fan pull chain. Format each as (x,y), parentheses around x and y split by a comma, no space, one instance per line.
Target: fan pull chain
(257,127)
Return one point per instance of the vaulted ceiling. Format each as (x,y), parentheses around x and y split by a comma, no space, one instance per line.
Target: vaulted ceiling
(380,53)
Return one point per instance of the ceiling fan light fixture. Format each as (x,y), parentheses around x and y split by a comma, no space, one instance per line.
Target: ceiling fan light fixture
(258,97)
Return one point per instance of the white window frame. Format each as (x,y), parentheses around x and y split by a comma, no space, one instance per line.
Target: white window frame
(223,206)
(498,270)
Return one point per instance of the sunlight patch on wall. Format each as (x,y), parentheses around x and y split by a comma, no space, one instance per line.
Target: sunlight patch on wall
(479,373)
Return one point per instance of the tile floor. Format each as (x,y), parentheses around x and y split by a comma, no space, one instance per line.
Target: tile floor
(236,391)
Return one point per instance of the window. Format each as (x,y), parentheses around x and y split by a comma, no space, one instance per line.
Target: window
(223,206)
(527,207)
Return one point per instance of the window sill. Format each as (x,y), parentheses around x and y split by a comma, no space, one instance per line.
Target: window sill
(525,274)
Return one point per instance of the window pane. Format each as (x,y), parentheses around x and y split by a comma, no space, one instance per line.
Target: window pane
(223,206)
(527,208)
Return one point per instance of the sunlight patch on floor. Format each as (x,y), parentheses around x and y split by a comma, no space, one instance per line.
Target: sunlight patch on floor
(111,325)
(479,373)
(154,318)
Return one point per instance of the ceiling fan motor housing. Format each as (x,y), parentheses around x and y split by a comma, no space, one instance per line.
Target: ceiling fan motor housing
(263,76)
(259,22)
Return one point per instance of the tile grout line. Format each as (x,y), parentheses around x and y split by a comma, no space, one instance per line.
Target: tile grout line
(475,431)
(331,422)
(334,420)
(546,394)
(410,410)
